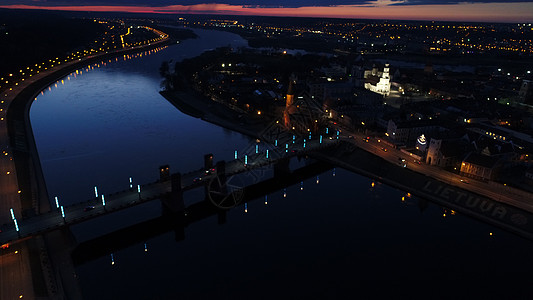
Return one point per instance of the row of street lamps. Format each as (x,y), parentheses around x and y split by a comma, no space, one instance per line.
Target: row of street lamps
(61,208)
(286,145)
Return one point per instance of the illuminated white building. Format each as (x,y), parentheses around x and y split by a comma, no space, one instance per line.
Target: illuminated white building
(379,82)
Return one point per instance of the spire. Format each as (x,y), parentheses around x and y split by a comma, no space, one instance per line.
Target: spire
(290,91)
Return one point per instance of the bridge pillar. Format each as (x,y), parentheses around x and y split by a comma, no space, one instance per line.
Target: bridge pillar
(173,203)
(164,172)
(281,168)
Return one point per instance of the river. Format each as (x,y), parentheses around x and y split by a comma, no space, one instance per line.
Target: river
(336,236)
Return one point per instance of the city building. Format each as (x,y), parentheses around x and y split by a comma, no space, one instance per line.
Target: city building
(445,152)
(407,132)
(378,81)
(480,166)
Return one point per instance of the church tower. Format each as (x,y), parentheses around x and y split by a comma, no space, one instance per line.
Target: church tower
(386,74)
(288,104)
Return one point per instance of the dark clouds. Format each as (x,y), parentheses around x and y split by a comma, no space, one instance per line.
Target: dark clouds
(430,2)
(158,3)
(251,3)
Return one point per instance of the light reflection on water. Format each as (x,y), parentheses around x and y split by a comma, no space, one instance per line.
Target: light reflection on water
(106,124)
(341,235)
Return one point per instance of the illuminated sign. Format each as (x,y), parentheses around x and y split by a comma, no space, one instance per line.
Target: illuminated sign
(421,140)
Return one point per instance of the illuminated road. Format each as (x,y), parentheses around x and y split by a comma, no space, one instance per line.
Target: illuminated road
(498,192)
(9,196)
(15,272)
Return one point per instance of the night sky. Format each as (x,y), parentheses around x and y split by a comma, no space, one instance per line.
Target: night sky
(448,10)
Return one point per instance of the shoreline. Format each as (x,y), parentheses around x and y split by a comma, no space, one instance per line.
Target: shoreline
(502,215)
(52,273)
(197,106)
(26,156)
(513,218)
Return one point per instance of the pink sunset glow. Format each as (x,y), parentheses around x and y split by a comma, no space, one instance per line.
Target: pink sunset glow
(476,12)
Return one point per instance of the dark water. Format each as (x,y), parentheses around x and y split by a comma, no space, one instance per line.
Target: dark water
(341,238)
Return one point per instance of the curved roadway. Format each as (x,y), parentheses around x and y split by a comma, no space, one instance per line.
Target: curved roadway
(15,271)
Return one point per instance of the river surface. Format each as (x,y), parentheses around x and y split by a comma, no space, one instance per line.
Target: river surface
(337,235)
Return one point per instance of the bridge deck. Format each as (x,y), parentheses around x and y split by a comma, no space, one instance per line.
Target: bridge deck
(94,207)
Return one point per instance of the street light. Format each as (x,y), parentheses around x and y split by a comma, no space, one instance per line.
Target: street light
(57,203)
(95,192)
(63,213)
(16,226)
(15,221)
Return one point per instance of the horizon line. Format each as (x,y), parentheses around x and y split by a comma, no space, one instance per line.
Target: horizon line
(482,11)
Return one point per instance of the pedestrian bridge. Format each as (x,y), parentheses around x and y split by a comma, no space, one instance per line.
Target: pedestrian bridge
(170,187)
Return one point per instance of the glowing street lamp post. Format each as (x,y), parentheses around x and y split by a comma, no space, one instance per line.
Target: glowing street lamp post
(63,214)
(103,201)
(139,191)
(15,221)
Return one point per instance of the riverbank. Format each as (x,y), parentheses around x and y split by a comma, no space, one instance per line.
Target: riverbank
(198,106)
(26,158)
(516,217)
(26,165)
(457,200)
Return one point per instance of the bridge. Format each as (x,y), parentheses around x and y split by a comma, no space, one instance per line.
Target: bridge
(169,188)
(141,232)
